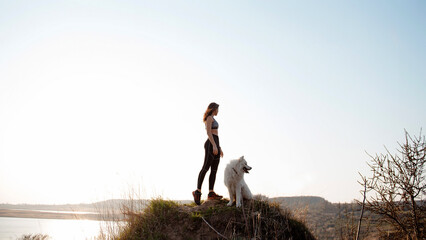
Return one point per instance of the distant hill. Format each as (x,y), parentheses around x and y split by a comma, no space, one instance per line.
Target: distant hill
(54,207)
(302,201)
(83,207)
(104,210)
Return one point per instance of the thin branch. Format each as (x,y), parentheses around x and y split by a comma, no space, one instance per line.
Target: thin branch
(218,233)
(362,209)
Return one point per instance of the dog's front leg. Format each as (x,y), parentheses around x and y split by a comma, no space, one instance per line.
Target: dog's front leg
(231,196)
(238,195)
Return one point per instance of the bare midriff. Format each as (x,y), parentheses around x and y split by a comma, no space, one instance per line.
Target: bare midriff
(215,132)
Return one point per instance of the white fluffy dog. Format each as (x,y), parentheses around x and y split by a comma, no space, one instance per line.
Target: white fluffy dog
(234,181)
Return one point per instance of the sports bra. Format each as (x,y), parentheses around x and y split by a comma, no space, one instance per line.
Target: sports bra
(215,124)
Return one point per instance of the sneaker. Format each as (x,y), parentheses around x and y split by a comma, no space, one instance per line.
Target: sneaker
(214,196)
(197,197)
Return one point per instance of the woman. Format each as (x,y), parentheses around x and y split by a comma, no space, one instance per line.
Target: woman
(213,152)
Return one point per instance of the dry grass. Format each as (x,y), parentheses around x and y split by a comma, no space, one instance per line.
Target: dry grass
(257,219)
(34,237)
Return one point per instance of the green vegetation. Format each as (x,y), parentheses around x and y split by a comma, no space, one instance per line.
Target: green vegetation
(163,219)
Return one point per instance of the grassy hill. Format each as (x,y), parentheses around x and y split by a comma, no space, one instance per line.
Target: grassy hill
(257,219)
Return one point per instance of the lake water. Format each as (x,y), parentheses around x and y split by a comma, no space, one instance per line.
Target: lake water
(13,228)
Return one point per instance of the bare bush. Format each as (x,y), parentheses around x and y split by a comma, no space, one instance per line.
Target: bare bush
(397,187)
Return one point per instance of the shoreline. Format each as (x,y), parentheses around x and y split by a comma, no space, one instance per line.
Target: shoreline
(49,215)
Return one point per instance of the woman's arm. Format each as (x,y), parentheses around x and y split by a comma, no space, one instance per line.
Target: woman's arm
(210,135)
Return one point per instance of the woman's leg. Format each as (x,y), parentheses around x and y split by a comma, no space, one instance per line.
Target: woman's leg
(208,160)
(213,171)
(214,164)
(212,179)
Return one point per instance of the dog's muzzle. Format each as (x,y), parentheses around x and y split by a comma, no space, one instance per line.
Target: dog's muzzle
(246,169)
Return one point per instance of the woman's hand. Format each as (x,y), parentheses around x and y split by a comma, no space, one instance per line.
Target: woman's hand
(215,151)
(221,153)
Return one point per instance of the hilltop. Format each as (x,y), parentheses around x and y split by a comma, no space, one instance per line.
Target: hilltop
(257,219)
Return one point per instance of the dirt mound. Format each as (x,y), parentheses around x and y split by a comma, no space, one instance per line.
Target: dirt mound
(212,220)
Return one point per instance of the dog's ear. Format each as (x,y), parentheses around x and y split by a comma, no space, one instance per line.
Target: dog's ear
(241,158)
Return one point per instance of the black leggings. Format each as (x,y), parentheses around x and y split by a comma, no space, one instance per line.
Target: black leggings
(210,161)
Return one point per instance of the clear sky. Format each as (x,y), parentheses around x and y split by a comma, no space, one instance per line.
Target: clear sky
(102,98)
